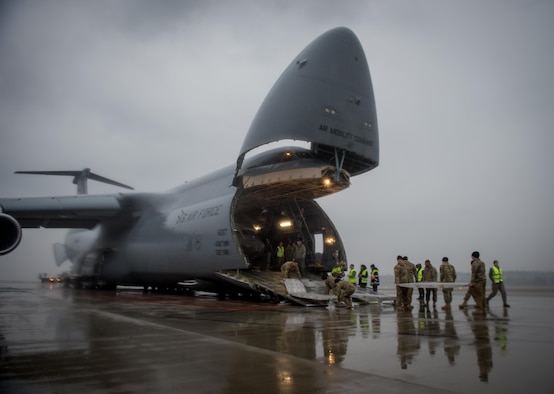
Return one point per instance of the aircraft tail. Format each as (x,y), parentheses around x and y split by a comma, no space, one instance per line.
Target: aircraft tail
(79,178)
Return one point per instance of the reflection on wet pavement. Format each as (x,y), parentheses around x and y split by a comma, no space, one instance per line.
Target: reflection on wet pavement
(55,339)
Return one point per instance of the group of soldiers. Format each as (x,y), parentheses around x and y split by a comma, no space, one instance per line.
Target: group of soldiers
(406,272)
(293,251)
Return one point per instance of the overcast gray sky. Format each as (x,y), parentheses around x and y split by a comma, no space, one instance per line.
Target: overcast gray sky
(152,94)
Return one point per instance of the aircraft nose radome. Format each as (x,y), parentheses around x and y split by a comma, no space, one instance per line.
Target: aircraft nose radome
(336,55)
(325,96)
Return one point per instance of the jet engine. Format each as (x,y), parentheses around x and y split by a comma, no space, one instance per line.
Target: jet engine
(10,231)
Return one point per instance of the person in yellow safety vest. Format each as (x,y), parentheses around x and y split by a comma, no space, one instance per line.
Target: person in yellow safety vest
(419,278)
(495,275)
(337,270)
(374,277)
(362,276)
(280,254)
(352,275)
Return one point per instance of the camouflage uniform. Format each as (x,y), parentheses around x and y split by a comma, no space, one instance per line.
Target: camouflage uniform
(430,275)
(447,275)
(344,290)
(329,284)
(411,273)
(478,284)
(288,267)
(404,272)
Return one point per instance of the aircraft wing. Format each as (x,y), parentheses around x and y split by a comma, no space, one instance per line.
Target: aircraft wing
(80,211)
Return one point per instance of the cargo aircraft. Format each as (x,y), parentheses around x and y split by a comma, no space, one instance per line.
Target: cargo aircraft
(324,99)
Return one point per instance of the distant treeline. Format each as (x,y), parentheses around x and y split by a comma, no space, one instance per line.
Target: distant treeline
(511,278)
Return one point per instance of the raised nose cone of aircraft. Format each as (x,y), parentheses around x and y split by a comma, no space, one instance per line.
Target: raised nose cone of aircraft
(325,96)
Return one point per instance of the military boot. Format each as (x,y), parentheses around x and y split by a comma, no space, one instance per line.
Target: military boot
(463,305)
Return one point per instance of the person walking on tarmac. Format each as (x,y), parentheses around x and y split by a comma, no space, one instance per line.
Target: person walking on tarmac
(477,285)
(362,276)
(374,278)
(495,275)
(447,275)
(344,290)
(419,278)
(352,275)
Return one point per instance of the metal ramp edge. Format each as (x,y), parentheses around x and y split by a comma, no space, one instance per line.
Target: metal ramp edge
(272,284)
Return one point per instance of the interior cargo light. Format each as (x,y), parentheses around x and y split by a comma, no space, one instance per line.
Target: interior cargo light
(326,182)
(330,240)
(285,223)
(257,227)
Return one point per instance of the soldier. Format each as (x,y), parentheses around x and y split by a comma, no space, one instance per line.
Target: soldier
(495,275)
(289,251)
(401,276)
(412,275)
(329,281)
(290,267)
(344,290)
(447,275)
(430,275)
(477,284)
(300,255)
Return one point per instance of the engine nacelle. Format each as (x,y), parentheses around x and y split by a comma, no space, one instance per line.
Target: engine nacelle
(10,233)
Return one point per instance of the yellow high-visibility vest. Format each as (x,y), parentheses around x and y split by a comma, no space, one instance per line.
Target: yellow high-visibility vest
(496,274)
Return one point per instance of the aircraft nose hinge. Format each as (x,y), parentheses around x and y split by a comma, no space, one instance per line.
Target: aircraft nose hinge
(339,162)
(301,63)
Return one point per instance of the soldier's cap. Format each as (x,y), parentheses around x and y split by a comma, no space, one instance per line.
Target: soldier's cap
(398,257)
(475,254)
(405,258)
(445,259)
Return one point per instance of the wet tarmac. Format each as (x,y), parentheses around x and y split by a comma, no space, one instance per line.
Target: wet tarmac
(55,340)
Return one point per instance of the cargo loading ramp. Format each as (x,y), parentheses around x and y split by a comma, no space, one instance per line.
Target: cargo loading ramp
(308,291)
